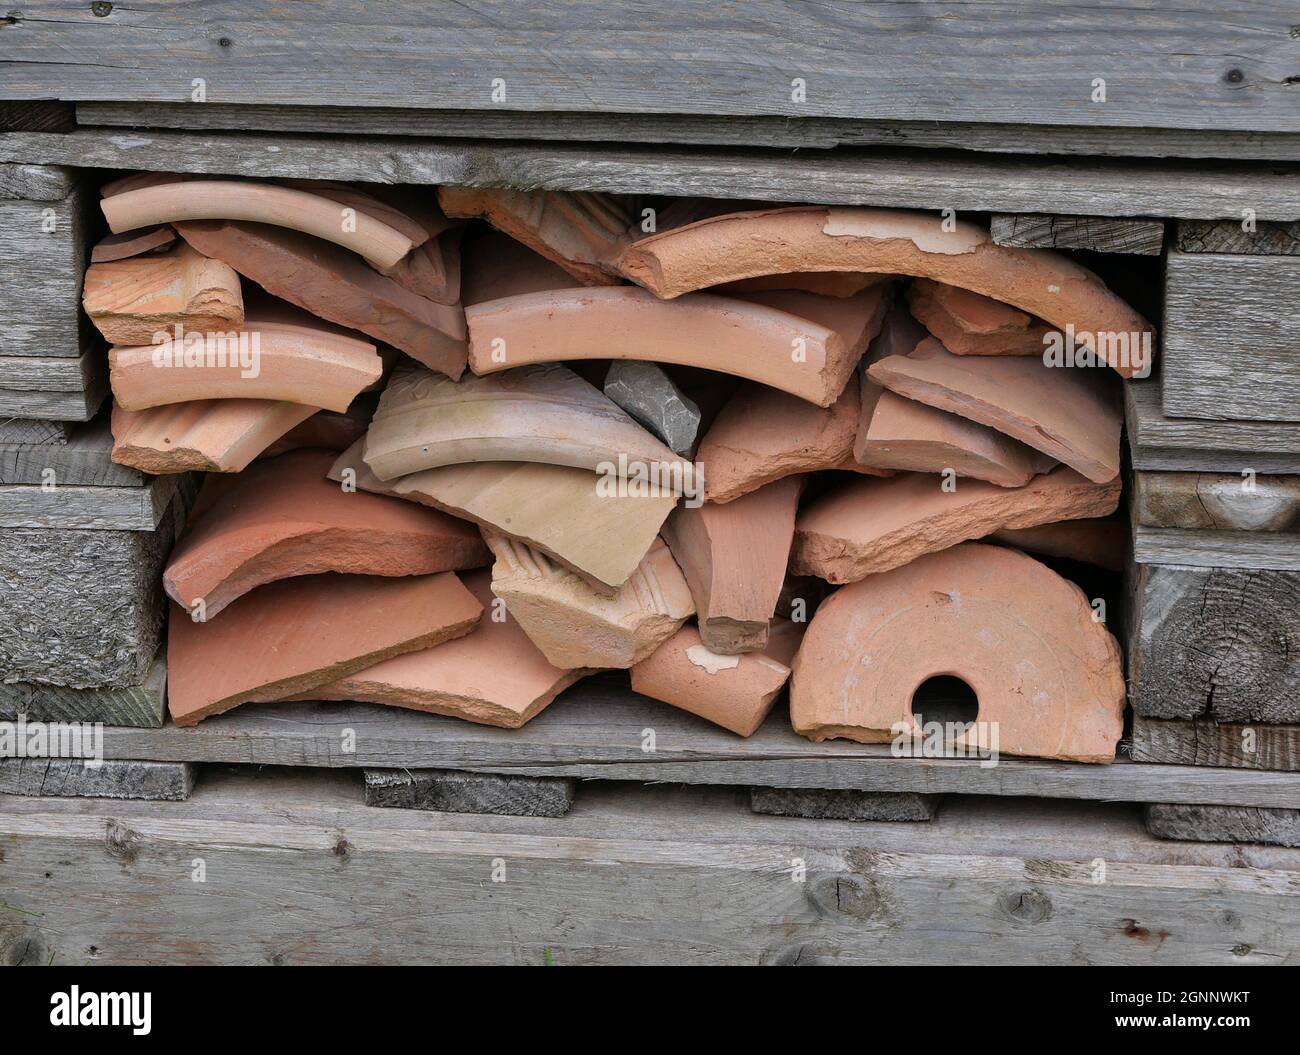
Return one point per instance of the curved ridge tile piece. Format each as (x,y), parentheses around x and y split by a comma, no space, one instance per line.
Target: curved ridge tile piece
(745,245)
(266,360)
(362,201)
(762,434)
(577,627)
(970,324)
(734,557)
(566,513)
(432,270)
(210,435)
(283,517)
(544,413)
(740,337)
(870,526)
(1099,540)
(1048,678)
(582,232)
(1070,413)
(735,692)
(291,636)
(332,283)
(898,433)
(493,675)
(132,300)
(825,283)
(132,243)
(312,214)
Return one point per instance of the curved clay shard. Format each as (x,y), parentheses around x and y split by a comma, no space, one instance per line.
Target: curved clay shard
(265,203)
(898,433)
(735,692)
(825,283)
(970,324)
(283,518)
(566,513)
(132,243)
(871,526)
(211,435)
(1048,678)
(744,245)
(544,413)
(1070,413)
(734,557)
(1100,540)
(287,361)
(350,197)
(291,636)
(130,301)
(432,270)
(332,283)
(762,435)
(578,627)
(581,232)
(493,675)
(794,354)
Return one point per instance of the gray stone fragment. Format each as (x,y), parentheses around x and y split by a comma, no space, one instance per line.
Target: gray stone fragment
(451,791)
(843,804)
(1224,824)
(650,396)
(111,779)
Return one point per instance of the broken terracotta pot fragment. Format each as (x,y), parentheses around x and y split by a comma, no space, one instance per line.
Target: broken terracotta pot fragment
(970,324)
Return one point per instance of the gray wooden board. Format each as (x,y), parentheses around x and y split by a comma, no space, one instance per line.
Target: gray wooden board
(90,508)
(1025,63)
(67,777)
(142,706)
(43,254)
(1142,237)
(45,115)
(894,179)
(56,406)
(595,731)
(452,791)
(1230,236)
(1199,742)
(29,431)
(54,373)
(1231,330)
(699,130)
(1221,642)
(297,870)
(1202,548)
(36,182)
(85,459)
(843,804)
(1219,501)
(1224,824)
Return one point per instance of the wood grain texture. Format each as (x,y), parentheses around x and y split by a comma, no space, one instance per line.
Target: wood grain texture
(29,431)
(86,508)
(1219,501)
(37,115)
(644,876)
(1200,742)
(1215,641)
(1228,236)
(1203,70)
(1224,824)
(54,374)
(881,178)
(595,731)
(1231,330)
(84,460)
(700,130)
(1143,237)
(448,791)
(54,406)
(1216,549)
(35,182)
(843,804)
(140,706)
(72,778)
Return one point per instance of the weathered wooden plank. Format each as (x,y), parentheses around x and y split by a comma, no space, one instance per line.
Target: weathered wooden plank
(85,459)
(599,729)
(645,876)
(54,373)
(974,182)
(37,115)
(56,406)
(1224,824)
(26,431)
(1219,501)
(36,182)
(1231,236)
(1142,237)
(72,506)
(72,778)
(1228,348)
(43,253)
(1203,548)
(838,59)
(1159,441)
(450,791)
(843,804)
(1200,742)
(698,130)
(141,706)
(1215,641)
